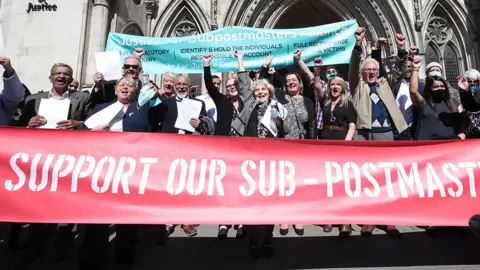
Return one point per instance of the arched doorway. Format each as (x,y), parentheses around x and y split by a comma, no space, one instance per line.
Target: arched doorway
(302,14)
(306,14)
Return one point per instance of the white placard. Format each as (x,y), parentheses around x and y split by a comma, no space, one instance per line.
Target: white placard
(187,109)
(54,111)
(1,40)
(109,64)
(105,116)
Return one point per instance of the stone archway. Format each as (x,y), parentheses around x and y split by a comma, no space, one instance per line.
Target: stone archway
(132,28)
(380,19)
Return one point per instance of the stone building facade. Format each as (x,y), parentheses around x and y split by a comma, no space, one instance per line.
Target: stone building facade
(445,30)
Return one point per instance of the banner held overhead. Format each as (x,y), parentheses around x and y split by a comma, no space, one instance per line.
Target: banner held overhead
(334,42)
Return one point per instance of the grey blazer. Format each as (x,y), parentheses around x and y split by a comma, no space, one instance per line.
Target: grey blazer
(249,103)
(80,107)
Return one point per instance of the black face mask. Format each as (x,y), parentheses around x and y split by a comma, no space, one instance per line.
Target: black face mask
(439,95)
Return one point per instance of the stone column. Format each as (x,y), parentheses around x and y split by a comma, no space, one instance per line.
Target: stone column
(474,8)
(151,8)
(97,37)
(213,15)
(213,27)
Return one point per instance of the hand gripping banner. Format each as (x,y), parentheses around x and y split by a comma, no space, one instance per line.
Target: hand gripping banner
(108,177)
(334,42)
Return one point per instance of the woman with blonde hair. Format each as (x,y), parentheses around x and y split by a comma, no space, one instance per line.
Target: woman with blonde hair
(339,115)
(131,117)
(262,117)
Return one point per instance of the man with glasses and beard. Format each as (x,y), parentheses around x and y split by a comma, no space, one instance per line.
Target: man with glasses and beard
(104,92)
(168,113)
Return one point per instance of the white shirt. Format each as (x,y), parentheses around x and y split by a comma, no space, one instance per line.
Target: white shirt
(65,95)
(404,102)
(209,106)
(117,122)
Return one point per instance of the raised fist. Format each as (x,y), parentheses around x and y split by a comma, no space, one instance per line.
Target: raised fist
(400,40)
(237,54)
(207,58)
(381,42)
(417,62)
(139,52)
(360,35)
(318,62)
(297,55)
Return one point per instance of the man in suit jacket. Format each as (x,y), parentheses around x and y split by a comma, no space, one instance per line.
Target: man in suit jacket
(80,105)
(60,77)
(168,111)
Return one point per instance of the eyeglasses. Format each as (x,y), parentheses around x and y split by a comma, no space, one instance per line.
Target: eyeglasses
(230,85)
(61,73)
(131,66)
(331,71)
(371,70)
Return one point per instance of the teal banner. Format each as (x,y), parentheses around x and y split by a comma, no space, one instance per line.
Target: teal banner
(333,42)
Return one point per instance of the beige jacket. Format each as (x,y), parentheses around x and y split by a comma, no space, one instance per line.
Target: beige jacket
(361,94)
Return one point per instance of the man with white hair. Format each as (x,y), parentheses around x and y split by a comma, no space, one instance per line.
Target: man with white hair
(372,96)
(377,110)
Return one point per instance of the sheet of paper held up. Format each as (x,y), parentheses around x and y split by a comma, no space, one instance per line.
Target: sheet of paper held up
(1,40)
(105,116)
(109,64)
(54,111)
(187,109)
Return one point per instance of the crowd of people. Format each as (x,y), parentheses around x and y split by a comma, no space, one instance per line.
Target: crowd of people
(368,103)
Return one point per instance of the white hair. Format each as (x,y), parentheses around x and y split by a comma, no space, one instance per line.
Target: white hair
(369,60)
(472,74)
(172,75)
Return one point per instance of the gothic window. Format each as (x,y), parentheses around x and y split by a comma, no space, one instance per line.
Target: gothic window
(431,55)
(442,47)
(185,28)
(451,64)
(132,29)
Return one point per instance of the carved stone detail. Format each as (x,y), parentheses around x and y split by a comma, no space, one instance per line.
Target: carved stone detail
(133,29)
(151,7)
(385,24)
(369,25)
(439,31)
(417,10)
(259,22)
(185,27)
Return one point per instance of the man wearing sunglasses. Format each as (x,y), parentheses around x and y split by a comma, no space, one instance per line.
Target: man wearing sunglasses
(104,92)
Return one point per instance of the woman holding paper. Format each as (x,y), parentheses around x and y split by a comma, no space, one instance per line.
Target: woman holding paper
(123,115)
(261,117)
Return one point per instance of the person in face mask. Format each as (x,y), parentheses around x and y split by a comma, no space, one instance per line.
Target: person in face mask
(473,77)
(331,72)
(434,69)
(436,101)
